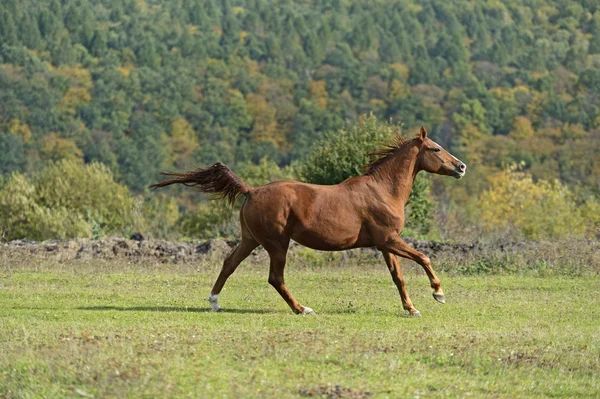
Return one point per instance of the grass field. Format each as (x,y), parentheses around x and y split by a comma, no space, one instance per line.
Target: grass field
(108,329)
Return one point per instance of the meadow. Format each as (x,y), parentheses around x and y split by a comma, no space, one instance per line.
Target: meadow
(117,329)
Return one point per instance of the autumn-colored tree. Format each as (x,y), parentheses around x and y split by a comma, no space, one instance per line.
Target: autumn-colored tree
(183,142)
(55,148)
(534,210)
(318,92)
(264,124)
(522,129)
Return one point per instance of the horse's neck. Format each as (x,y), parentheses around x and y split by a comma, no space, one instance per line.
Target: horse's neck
(397,175)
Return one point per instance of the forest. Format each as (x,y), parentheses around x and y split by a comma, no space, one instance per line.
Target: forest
(113,91)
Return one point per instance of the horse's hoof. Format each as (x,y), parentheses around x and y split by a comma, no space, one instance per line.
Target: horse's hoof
(439,298)
(307,310)
(416,313)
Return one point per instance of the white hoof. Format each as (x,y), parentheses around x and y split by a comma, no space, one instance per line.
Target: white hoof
(307,310)
(416,313)
(214,302)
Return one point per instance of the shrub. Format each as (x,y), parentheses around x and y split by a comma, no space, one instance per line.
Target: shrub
(21,215)
(341,155)
(160,214)
(66,199)
(535,210)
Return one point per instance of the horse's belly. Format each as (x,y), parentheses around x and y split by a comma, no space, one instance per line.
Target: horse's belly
(330,238)
(321,243)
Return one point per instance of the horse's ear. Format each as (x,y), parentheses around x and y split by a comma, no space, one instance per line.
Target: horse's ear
(423,134)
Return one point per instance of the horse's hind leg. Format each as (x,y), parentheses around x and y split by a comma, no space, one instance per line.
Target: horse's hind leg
(395,268)
(277,254)
(241,252)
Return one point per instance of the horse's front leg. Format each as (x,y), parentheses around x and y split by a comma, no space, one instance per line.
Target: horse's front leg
(396,246)
(395,268)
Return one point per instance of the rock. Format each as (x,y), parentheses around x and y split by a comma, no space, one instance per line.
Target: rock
(137,237)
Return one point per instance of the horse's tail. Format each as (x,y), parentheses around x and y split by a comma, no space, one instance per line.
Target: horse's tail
(217,179)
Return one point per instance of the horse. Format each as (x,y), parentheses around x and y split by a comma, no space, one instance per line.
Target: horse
(362,211)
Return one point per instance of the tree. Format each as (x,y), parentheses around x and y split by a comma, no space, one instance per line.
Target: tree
(29,32)
(230,36)
(146,54)
(264,124)
(8,30)
(522,129)
(182,143)
(594,47)
(55,148)
(13,153)
(143,152)
(496,81)
(98,44)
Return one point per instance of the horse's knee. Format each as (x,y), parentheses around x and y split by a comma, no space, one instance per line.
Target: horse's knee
(425,260)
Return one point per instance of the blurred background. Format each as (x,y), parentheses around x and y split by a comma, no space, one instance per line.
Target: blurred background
(97,96)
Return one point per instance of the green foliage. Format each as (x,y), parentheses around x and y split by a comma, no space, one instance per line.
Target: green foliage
(23,216)
(160,215)
(13,153)
(419,208)
(495,82)
(342,154)
(66,199)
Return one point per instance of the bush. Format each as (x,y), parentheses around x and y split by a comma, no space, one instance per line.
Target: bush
(535,210)
(22,216)
(66,199)
(160,214)
(341,155)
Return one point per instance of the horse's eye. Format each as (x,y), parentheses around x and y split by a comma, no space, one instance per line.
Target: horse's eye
(435,149)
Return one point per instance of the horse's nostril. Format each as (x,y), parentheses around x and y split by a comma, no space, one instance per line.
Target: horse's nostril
(462,167)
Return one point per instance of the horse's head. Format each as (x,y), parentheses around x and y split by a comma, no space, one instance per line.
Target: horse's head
(434,159)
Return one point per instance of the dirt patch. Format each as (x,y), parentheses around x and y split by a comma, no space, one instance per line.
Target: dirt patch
(570,257)
(334,392)
(121,248)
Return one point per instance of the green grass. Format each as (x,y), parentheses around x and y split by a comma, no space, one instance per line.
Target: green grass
(116,330)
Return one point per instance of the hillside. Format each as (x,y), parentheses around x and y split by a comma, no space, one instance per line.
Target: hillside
(143,85)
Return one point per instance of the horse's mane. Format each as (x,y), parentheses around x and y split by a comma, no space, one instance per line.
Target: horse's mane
(388,150)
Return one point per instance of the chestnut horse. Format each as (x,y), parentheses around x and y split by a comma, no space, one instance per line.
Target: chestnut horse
(362,211)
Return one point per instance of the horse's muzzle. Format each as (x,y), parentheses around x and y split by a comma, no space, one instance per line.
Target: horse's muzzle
(460,170)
